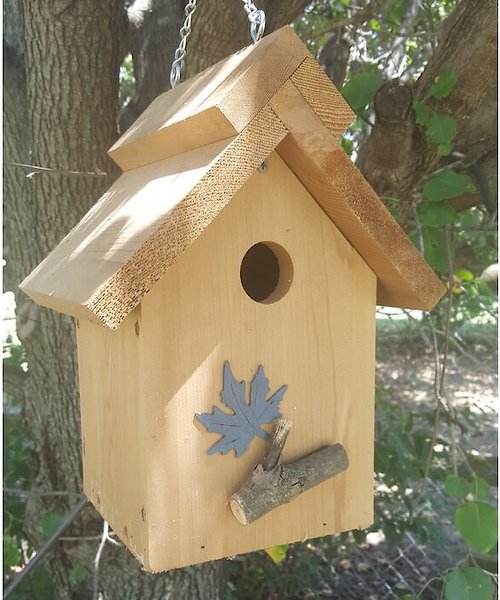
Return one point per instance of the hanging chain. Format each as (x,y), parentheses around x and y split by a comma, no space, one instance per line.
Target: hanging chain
(180,53)
(256,18)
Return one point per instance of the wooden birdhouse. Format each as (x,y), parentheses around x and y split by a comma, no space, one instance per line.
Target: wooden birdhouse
(240,244)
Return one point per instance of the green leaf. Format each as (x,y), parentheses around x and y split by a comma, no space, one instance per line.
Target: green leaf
(437,214)
(443,84)
(464,275)
(441,129)
(477,524)
(435,248)
(423,113)
(11,553)
(456,487)
(76,574)
(374,24)
(447,184)
(470,218)
(347,145)
(361,88)
(468,584)
(480,487)
(444,149)
(49,523)
(277,553)
(358,124)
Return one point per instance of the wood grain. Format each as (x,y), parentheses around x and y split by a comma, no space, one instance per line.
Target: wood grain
(214,105)
(318,339)
(323,97)
(138,229)
(404,278)
(114,229)
(188,219)
(113,416)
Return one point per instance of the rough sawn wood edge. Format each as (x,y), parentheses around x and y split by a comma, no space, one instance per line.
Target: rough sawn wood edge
(323,97)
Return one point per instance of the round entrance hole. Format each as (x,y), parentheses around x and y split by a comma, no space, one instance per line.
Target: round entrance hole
(266,272)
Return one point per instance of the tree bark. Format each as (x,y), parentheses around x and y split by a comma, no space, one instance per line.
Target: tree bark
(218,30)
(152,39)
(397,157)
(68,64)
(16,145)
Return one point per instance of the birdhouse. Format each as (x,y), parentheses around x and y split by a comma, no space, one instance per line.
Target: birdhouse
(229,277)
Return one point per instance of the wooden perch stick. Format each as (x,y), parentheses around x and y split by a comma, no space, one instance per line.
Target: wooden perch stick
(272,484)
(281,430)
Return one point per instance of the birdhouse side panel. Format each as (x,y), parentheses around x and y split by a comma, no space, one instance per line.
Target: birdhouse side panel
(112,408)
(313,332)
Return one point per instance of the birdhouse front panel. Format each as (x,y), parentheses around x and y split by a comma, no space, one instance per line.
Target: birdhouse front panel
(316,336)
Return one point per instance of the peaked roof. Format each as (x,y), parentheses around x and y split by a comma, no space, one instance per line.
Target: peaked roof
(187,156)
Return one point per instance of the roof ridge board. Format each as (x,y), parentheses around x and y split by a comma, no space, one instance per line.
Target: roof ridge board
(204,128)
(187,116)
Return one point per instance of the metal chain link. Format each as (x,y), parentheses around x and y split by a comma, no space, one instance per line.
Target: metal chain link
(256,18)
(180,53)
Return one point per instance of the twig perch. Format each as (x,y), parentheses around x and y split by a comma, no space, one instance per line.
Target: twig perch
(272,484)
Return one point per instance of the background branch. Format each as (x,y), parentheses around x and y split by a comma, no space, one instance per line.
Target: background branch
(396,165)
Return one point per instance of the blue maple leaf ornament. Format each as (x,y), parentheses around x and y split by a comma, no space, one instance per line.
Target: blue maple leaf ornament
(240,427)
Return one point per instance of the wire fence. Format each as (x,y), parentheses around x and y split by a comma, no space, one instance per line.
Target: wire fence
(387,572)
